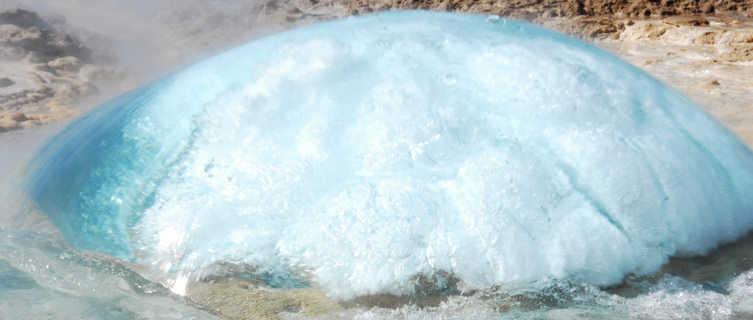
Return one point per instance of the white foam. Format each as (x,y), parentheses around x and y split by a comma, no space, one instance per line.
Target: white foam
(364,152)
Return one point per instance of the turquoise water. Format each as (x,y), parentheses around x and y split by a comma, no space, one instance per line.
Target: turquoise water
(510,170)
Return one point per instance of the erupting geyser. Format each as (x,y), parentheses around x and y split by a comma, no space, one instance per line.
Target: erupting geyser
(361,153)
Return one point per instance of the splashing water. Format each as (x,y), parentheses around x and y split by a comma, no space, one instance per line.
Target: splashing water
(361,154)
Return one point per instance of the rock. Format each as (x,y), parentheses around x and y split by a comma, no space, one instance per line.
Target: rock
(17,116)
(46,70)
(5,82)
(543,11)
(25,29)
(22,18)
(707,58)
(239,299)
(69,63)
(741,54)
(12,120)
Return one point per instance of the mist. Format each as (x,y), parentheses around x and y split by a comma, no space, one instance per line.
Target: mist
(151,38)
(137,42)
(143,40)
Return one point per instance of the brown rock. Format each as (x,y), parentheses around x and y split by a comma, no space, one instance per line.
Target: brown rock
(740,54)
(709,37)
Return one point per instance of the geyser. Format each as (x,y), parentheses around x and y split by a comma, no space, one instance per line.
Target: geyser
(361,153)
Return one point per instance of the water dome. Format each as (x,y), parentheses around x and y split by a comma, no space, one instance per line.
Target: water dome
(360,154)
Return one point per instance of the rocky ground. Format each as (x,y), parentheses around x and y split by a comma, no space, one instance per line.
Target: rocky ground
(708,58)
(44,72)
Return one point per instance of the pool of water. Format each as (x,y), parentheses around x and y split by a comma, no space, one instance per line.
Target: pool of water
(44,278)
